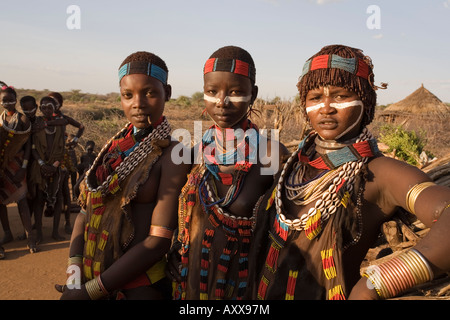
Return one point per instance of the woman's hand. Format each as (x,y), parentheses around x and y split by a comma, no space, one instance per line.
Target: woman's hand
(72,294)
(173,268)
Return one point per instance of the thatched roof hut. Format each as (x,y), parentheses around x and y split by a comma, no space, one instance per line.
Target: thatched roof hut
(419,105)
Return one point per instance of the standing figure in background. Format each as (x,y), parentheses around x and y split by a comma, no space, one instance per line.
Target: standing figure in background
(48,151)
(15,149)
(68,168)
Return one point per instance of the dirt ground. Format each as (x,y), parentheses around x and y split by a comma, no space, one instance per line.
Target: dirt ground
(25,276)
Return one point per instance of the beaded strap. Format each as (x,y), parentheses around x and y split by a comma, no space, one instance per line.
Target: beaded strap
(132,160)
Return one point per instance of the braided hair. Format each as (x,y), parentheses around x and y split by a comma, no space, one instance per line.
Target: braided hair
(364,88)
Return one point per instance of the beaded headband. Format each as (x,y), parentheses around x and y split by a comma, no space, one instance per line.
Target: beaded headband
(355,66)
(230,65)
(143,67)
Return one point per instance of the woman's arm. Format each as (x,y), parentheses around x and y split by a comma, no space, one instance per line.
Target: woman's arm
(405,186)
(143,255)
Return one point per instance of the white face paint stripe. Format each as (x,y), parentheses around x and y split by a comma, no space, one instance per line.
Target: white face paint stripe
(355,123)
(210,99)
(314,108)
(240,98)
(29,111)
(345,105)
(340,106)
(227,99)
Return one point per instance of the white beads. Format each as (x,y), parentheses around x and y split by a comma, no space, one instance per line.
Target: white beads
(324,188)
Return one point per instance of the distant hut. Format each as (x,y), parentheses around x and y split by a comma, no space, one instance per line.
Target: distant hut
(418,106)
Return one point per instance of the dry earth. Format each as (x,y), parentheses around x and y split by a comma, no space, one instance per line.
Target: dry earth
(25,276)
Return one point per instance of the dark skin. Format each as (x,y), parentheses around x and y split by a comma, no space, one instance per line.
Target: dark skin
(392,179)
(47,170)
(142,99)
(64,120)
(218,85)
(30,108)
(24,210)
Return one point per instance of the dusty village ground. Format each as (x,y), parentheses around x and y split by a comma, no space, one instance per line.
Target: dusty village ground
(25,276)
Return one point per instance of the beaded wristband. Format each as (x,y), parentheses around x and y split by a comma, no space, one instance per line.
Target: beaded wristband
(399,274)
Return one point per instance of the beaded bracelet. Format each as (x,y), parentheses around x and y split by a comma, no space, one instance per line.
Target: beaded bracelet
(399,274)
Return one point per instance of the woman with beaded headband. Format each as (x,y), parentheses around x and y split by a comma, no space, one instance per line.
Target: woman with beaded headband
(129,196)
(216,210)
(335,191)
(15,149)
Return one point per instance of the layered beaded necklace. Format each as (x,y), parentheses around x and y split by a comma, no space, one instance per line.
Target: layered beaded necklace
(340,169)
(140,150)
(238,230)
(9,126)
(243,157)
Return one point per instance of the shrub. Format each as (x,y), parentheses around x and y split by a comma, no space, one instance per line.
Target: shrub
(406,145)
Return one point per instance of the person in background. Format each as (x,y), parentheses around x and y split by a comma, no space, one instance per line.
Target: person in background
(15,149)
(46,174)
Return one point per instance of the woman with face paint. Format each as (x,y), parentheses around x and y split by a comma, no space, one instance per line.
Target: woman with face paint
(335,191)
(45,171)
(15,148)
(216,210)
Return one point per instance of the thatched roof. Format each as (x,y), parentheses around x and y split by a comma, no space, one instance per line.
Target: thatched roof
(420,103)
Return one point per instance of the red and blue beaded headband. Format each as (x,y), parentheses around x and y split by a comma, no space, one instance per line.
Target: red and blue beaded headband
(230,65)
(143,67)
(355,66)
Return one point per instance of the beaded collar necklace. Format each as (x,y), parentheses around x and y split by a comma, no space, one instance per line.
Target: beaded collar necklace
(12,123)
(243,156)
(341,168)
(110,184)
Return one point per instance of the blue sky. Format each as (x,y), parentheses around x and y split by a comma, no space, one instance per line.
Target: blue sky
(38,50)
